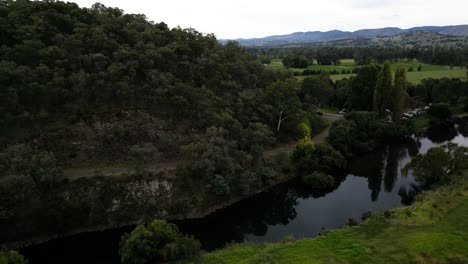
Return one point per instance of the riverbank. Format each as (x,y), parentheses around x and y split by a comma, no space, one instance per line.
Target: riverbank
(432,230)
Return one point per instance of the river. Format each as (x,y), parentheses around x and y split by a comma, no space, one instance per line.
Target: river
(373,182)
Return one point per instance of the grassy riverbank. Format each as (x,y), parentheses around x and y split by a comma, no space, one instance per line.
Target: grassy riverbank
(432,230)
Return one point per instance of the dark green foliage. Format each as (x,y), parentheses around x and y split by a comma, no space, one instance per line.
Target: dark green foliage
(398,94)
(387,214)
(295,61)
(343,136)
(40,167)
(320,157)
(431,167)
(157,241)
(219,185)
(362,132)
(264,59)
(283,97)
(315,92)
(267,174)
(319,180)
(327,56)
(12,257)
(438,163)
(362,88)
(87,86)
(343,94)
(442,90)
(383,91)
(440,112)
(15,189)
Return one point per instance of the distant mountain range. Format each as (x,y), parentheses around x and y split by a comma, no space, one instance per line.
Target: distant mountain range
(444,34)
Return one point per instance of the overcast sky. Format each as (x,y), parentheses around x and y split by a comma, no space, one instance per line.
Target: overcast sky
(259,18)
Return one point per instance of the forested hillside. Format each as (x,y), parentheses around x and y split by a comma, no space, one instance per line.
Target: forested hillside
(93,87)
(110,80)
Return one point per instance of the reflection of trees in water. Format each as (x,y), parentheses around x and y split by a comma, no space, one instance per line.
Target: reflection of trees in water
(381,166)
(395,153)
(305,191)
(413,145)
(391,168)
(251,216)
(463,127)
(407,194)
(442,133)
(370,166)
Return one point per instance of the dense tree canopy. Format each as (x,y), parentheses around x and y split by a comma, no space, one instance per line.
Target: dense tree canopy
(156,242)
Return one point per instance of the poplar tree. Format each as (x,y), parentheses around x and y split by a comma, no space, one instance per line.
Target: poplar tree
(398,94)
(383,91)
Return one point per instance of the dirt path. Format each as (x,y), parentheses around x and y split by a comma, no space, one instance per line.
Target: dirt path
(75,173)
(289,148)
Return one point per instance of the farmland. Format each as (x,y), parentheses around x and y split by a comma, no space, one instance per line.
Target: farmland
(414,76)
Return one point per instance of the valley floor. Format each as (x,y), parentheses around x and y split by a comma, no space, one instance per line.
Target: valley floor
(433,230)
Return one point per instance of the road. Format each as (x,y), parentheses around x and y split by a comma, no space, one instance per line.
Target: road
(157,167)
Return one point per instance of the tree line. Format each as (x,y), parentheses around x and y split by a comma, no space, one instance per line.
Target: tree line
(303,57)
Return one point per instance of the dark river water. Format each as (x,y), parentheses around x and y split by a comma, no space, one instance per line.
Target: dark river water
(373,183)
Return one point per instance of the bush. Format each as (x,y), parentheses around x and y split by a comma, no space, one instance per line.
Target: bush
(362,132)
(155,242)
(440,111)
(304,129)
(12,257)
(267,174)
(387,214)
(319,180)
(219,185)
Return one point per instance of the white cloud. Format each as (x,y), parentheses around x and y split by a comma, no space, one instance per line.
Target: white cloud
(258,18)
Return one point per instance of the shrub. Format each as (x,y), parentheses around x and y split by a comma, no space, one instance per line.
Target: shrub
(387,214)
(12,257)
(352,222)
(155,242)
(304,129)
(219,185)
(321,157)
(319,180)
(267,174)
(440,112)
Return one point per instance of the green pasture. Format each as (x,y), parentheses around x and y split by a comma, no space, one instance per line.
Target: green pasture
(415,77)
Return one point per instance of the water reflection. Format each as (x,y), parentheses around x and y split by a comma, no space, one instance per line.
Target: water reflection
(373,182)
(442,133)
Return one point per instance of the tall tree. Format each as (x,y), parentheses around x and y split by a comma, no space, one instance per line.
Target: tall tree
(315,92)
(383,90)
(284,100)
(398,94)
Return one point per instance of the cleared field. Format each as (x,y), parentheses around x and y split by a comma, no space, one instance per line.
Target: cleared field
(415,77)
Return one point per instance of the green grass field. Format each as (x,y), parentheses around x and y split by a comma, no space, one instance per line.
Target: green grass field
(433,230)
(415,77)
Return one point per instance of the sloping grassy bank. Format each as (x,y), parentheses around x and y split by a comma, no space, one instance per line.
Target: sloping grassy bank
(433,230)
